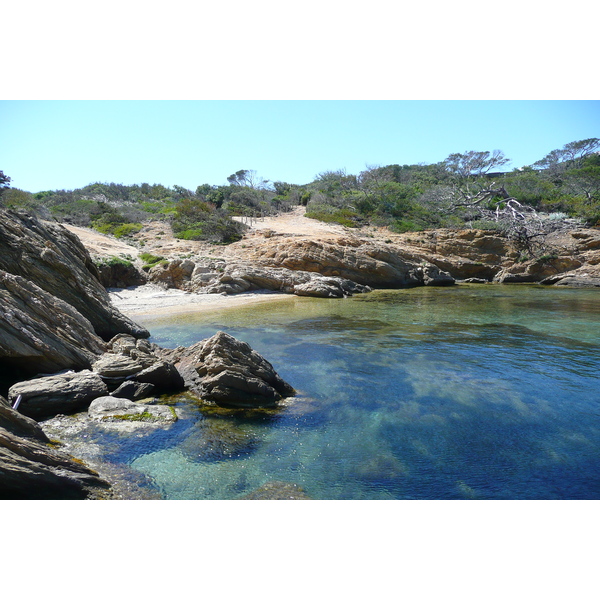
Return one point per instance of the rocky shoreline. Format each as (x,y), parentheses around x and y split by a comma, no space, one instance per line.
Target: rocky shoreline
(68,344)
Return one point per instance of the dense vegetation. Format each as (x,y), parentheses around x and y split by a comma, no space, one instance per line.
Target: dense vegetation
(465,190)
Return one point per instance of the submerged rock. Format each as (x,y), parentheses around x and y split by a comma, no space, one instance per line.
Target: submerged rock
(277,490)
(214,440)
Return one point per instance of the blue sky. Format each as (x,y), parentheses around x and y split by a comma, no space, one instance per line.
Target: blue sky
(68,144)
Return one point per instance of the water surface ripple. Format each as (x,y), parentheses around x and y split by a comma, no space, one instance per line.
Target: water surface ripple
(472,392)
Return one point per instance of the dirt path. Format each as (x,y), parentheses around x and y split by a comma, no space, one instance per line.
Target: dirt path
(157,238)
(100,244)
(294,223)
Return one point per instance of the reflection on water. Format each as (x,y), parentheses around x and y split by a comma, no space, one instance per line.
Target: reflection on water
(430,393)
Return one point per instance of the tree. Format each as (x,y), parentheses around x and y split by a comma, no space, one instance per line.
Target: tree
(4,182)
(248,178)
(469,177)
(571,154)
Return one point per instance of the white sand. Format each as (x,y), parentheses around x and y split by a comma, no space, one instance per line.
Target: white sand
(151,299)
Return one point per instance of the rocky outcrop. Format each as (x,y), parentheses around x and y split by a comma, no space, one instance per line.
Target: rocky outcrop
(228,372)
(537,269)
(64,393)
(573,280)
(372,264)
(570,257)
(39,333)
(49,256)
(326,269)
(31,468)
(129,368)
(218,277)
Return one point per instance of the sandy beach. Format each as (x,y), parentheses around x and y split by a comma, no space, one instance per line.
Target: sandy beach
(153,300)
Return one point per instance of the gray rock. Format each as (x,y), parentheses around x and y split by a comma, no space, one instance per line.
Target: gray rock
(135,360)
(32,470)
(133,390)
(117,274)
(116,366)
(54,259)
(432,275)
(111,409)
(14,422)
(329,287)
(229,372)
(64,393)
(572,281)
(39,333)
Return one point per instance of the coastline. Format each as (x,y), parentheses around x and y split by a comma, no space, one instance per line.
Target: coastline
(151,300)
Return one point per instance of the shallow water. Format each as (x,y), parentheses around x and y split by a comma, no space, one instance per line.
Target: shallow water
(482,392)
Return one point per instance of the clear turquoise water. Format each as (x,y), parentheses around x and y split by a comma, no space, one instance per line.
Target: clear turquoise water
(481,392)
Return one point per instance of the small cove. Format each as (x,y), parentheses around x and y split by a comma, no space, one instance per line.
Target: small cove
(469,392)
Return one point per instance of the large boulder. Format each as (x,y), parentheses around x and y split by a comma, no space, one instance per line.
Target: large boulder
(172,274)
(62,393)
(54,259)
(228,372)
(39,333)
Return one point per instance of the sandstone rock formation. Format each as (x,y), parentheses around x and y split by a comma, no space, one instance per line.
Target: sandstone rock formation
(324,268)
(367,263)
(571,257)
(219,277)
(229,372)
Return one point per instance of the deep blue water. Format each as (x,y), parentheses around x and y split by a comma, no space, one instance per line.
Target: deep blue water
(471,392)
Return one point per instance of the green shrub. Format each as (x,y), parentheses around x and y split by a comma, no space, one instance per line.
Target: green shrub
(404,225)
(113,261)
(150,260)
(126,229)
(327,214)
(190,234)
